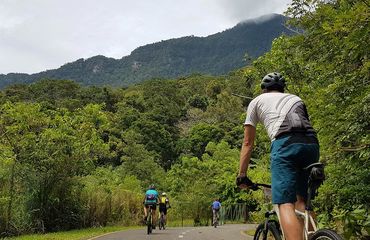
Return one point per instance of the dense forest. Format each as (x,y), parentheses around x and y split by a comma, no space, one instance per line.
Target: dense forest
(74,156)
(216,54)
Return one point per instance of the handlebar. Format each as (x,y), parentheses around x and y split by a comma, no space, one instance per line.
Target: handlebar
(254,186)
(262,185)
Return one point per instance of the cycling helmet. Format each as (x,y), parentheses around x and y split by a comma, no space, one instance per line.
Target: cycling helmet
(152,186)
(164,194)
(273,81)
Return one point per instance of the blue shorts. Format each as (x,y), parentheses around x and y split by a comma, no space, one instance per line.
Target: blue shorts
(289,155)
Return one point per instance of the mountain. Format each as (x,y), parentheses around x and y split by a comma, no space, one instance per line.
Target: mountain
(215,54)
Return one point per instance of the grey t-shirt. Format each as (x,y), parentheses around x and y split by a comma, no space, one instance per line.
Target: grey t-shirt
(279,113)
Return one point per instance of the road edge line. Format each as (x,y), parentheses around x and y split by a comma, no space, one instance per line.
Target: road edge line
(108,234)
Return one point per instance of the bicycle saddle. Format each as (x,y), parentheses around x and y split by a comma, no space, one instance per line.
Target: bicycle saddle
(318,164)
(316,172)
(315,179)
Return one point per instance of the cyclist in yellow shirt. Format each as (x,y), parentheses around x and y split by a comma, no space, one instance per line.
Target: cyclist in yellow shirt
(164,204)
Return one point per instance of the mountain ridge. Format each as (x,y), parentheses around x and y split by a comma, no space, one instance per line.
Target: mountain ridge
(214,54)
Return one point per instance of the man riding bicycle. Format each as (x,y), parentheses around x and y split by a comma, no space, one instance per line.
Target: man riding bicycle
(151,200)
(294,146)
(164,204)
(216,206)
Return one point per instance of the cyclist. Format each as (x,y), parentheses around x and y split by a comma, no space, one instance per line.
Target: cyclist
(216,206)
(294,146)
(151,200)
(164,204)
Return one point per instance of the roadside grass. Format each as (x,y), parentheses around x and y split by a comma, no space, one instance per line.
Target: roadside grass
(81,234)
(250,232)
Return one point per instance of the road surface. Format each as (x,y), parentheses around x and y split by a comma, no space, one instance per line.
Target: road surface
(224,232)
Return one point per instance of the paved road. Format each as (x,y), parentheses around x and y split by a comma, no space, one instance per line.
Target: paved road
(224,232)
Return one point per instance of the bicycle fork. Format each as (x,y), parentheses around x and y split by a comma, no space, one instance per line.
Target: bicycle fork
(267,217)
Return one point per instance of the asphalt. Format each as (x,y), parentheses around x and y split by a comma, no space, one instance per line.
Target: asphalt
(224,232)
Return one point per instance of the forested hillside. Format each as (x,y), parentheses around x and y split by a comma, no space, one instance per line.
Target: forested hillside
(74,156)
(216,54)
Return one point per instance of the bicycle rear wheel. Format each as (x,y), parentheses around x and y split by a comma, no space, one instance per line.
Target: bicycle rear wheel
(215,220)
(271,234)
(163,223)
(325,234)
(160,223)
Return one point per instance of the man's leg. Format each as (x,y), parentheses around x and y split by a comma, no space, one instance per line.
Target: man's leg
(293,229)
(213,217)
(165,216)
(301,205)
(145,212)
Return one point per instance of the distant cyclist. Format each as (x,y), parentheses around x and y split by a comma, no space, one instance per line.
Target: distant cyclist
(164,204)
(151,200)
(216,206)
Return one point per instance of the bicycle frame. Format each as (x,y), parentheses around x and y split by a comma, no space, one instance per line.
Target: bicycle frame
(307,219)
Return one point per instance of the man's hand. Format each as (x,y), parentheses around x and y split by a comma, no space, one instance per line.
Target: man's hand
(245,182)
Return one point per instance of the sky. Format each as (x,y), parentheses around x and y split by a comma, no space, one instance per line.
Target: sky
(37,35)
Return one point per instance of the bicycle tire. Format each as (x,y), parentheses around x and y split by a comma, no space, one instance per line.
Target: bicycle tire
(149,223)
(214,221)
(161,224)
(325,234)
(272,232)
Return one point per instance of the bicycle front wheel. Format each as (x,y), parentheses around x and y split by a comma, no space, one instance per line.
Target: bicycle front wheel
(325,234)
(271,233)
(149,224)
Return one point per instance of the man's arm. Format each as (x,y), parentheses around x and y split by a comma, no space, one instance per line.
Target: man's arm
(246,151)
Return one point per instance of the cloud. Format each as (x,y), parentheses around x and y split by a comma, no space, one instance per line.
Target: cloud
(36,35)
(240,10)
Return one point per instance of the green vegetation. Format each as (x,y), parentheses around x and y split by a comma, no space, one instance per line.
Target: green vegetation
(76,157)
(82,234)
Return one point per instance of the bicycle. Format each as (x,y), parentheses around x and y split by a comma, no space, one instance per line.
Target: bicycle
(149,220)
(215,218)
(270,228)
(162,222)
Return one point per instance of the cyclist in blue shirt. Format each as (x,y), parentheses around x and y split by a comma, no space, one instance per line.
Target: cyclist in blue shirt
(216,206)
(151,200)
